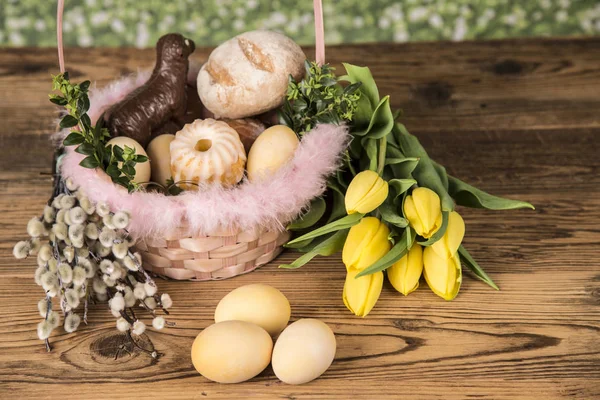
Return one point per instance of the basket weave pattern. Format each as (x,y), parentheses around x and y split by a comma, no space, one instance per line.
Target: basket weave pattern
(219,256)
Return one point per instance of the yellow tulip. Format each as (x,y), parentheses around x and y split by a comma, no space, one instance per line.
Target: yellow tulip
(423,211)
(404,274)
(448,245)
(361,294)
(366,243)
(366,192)
(443,276)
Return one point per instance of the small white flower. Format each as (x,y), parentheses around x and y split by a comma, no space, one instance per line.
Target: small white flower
(72,322)
(72,298)
(79,275)
(60,216)
(65,272)
(38,275)
(77,215)
(82,252)
(35,227)
(57,202)
(69,253)
(44,329)
(99,286)
(40,261)
(76,233)
(158,323)
(117,303)
(101,251)
(165,301)
(107,221)
(130,264)
(45,252)
(106,266)
(139,292)
(115,314)
(21,249)
(102,209)
(150,302)
(123,325)
(88,266)
(150,288)
(120,250)
(129,299)
(86,205)
(60,230)
(43,307)
(71,185)
(49,280)
(138,327)
(108,281)
(53,265)
(53,319)
(91,231)
(120,220)
(67,202)
(107,237)
(117,272)
(49,214)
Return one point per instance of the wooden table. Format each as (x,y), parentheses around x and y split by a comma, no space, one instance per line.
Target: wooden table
(516,118)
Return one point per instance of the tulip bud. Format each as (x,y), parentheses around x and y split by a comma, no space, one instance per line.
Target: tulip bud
(366,192)
(361,294)
(443,276)
(448,245)
(366,243)
(404,274)
(423,211)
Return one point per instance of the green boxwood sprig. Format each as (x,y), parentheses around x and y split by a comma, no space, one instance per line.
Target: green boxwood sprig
(118,163)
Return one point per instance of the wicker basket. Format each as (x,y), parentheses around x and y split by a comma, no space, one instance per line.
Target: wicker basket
(219,256)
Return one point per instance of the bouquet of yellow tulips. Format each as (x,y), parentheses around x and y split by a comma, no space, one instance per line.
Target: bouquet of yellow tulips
(389,207)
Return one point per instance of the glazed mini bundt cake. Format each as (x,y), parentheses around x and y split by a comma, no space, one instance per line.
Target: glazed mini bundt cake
(205,152)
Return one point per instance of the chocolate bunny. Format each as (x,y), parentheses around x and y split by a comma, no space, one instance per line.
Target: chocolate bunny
(161,99)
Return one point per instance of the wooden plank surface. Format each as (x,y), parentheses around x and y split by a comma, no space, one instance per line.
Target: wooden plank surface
(517,118)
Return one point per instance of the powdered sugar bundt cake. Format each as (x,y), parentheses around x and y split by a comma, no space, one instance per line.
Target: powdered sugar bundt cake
(207,151)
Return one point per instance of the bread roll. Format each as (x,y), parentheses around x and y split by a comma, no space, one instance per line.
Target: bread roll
(248,75)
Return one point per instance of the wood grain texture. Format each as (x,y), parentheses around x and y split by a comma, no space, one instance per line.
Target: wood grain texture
(516,118)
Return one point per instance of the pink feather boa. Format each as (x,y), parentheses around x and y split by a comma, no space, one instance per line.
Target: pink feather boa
(268,204)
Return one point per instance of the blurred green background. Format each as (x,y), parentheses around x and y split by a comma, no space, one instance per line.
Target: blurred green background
(209,22)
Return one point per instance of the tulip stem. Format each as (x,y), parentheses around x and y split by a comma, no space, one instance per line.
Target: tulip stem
(382,150)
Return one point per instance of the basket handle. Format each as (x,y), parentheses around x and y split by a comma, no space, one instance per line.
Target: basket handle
(319,33)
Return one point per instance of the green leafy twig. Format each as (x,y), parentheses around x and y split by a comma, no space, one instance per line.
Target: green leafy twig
(119,163)
(318,98)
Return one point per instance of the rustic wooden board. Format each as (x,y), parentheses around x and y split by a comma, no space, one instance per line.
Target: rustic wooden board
(517,118)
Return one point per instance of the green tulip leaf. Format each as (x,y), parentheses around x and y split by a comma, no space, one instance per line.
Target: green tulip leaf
(396,253)
(314,214)
(441,171)
(475,268)
(370,146)
(382,121)
(299,245)
(391,216)
(338,204)
(401,185)
(363,113)
(439,233)
(368,87)
(425,173)
(343,223)
(469,196)
(327,247)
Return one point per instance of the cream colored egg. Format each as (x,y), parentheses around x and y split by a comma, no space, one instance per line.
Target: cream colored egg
(259,304)
(231,351)
(272,149)
(303,351)
(142,170)
(160,158)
